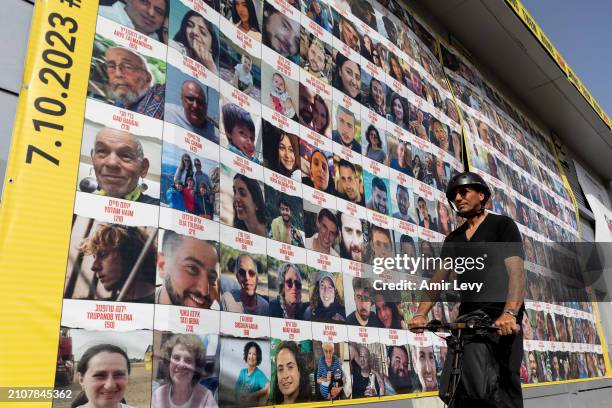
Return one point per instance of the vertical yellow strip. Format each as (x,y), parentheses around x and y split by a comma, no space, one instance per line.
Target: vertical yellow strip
(566,184)
(459,110)
(39,190)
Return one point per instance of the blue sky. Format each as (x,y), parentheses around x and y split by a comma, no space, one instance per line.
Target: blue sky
(581,31)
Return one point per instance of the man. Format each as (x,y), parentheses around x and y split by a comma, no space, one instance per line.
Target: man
(115,250)
(503,280)
(200,177)
(406,246)
(363,315)
(378,201)
(245,300)
(425,220)
(281,228)
(144,16)
(403,204)
(346,129)
(281,33)
(425,366)
(366,381)
(351,237)
(130,83)
(381,244)
(350,185)
(347,32)
(189,269)
(193,114)
(327,232)
(330,377)
(306,103)
(401,377)
(119,163)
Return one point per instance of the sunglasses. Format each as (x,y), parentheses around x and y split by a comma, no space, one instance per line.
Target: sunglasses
(243,272)
(463,191)
(291,282)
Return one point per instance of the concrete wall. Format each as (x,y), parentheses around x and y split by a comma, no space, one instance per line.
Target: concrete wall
(14,29)
(15,25)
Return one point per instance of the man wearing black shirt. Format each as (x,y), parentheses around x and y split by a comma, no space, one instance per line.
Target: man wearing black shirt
(363,315)
(502,278)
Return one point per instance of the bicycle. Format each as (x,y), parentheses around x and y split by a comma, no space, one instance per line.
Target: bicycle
(476,324)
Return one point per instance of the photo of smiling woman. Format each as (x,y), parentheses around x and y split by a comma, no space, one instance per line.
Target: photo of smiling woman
(292,383)
(196,38)
(326,301)
(249,205)
(347,76)
(282,152)
(103,372)
(398,111)
(288,303)
(182,365)
(252,385)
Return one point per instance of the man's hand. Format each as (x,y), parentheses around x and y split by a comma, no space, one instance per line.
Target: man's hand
(506,324)
(417,321)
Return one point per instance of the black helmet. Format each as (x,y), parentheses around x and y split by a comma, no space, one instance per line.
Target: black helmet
(467,179)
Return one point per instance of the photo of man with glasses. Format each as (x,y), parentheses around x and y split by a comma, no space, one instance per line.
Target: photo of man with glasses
(245,300)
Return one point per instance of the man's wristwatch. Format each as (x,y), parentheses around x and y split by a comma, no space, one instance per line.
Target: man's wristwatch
(511,312)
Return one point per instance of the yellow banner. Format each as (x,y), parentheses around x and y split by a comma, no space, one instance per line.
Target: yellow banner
(39,189)
(530,22)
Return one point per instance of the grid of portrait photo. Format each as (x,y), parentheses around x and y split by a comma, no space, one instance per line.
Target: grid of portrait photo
(243,164)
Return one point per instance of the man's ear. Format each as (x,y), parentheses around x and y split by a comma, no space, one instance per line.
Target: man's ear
(145,168)
(161,263)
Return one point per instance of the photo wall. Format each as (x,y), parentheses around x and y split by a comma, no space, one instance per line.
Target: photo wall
(562,341)
(242,164)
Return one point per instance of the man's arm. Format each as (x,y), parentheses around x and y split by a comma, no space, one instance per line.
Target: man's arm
(507,323)
(428,298)
(516,282)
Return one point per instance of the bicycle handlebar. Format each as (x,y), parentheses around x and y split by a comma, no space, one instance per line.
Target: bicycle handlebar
(435,326)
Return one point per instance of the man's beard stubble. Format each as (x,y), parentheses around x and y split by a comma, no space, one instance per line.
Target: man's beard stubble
(177,300)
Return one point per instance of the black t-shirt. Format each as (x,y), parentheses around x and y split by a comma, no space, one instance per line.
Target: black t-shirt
(495,239)
(373,320)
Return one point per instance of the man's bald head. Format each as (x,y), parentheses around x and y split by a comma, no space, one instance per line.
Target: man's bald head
(118,161)
(194,103)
